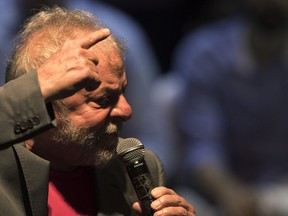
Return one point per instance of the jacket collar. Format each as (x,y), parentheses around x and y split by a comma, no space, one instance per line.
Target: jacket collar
(35,171)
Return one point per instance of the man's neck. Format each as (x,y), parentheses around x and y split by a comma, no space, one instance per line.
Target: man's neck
(55,165)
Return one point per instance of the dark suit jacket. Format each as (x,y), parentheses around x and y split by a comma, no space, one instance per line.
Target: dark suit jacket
(24,175)
(23,111)
(24,184)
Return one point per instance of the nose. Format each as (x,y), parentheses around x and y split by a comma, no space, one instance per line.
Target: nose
(122,109)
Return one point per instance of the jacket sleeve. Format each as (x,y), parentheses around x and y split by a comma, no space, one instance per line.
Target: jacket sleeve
(23,111)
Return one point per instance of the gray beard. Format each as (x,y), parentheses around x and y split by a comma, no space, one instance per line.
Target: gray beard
(94,150)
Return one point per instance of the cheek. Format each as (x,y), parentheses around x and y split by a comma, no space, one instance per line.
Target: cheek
(89,117)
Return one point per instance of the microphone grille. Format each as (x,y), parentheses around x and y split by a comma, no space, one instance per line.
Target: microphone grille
(130,149)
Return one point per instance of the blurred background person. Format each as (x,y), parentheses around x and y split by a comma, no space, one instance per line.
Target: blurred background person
(233,117)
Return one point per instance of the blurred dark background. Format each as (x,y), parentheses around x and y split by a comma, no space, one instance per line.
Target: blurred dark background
(165,21)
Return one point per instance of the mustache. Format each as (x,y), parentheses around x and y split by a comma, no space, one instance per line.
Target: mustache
(111,127)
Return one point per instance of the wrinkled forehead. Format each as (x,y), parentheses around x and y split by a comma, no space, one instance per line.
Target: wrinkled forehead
(110,61)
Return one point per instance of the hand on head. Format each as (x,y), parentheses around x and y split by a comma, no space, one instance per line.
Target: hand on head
(72,68)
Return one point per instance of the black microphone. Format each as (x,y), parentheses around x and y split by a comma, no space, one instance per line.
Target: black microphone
(131,152)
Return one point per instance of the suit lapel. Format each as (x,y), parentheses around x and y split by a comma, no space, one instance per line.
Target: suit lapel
(114,194)
(115,191)
(36,174)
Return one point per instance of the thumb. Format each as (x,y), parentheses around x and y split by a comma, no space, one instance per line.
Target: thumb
(137,208)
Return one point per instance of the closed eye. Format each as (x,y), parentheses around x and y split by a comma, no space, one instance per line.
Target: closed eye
(108,97)
(109,100)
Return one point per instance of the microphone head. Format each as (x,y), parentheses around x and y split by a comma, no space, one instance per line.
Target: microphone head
(129,150)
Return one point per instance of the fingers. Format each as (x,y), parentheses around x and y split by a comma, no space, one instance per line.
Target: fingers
(167,202)
(93,38)
(71,68)
(137,208)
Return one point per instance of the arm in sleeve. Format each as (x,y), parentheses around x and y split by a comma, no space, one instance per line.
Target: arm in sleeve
(23,111)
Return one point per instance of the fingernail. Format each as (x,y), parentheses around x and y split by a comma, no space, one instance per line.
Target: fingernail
(155,204)
(106,30)
(158,213)
(155,192)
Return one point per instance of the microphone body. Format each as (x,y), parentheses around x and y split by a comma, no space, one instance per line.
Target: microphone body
(131,153)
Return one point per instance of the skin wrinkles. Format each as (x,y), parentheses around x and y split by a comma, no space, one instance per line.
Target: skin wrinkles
(105,98)
(97,114)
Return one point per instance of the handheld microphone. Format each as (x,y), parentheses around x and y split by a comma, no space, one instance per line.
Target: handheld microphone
(131,152)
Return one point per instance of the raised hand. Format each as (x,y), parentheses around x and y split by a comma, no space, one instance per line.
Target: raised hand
(72,68)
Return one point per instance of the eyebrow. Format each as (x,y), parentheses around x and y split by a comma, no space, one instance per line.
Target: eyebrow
(107,90)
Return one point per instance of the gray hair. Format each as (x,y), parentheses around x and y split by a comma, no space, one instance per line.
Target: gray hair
(53,26)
